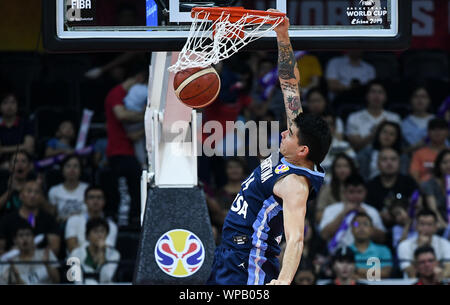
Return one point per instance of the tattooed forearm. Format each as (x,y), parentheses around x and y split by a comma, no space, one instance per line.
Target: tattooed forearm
(289,88)
(294,105)
(286,61)
(291,99)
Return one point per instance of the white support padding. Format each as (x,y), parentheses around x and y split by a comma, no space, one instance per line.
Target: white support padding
(172,152)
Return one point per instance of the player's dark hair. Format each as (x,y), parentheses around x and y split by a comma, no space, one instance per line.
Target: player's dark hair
(424,249)
(437,163)
(94,223)
(313,132)
(354,180)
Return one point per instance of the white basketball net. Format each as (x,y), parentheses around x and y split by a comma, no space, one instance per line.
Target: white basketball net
(200,51)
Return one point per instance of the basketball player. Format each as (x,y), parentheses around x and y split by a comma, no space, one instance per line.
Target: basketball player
(272,200)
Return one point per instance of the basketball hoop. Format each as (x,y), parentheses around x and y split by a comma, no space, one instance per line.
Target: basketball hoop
(231,29)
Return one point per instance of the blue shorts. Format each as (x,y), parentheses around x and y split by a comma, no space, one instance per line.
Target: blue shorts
(237,267)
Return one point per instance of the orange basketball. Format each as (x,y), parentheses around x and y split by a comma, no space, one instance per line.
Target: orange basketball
(197,87)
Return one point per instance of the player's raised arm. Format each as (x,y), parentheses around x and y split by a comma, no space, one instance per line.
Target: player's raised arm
(288,73)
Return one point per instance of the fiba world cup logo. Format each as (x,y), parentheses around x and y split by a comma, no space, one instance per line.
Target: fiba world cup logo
(179,253)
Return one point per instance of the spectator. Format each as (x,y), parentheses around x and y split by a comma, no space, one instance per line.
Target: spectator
(387,135)
(342,167)
(98,261)
(305,275)
(427,267)
(422,160)
(317,103)
(136,100)
(20,170)
(436,190)
(16,133)
(343,265)
(414,126)
(310,70)
(75,232)
(41,222)
(235,171)
(314,250)
(63,142)
(22,269)
(361,125)
(260,93)
(337,146)
(67,197)
(335,224)
(426,235)
(364,248)
(120,150)
(348,71)
(390,184)
(402,220)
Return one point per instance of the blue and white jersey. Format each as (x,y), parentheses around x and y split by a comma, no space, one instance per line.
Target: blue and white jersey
(255,220)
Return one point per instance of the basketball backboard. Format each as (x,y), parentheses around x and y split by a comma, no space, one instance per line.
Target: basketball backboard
(163,25)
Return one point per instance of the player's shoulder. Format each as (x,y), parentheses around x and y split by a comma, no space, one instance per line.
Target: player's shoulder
(291,182)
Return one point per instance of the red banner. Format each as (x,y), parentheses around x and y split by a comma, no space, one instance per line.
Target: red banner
(431,24)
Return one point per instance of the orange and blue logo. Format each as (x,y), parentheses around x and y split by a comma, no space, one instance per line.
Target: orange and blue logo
(282,168)
(179,253)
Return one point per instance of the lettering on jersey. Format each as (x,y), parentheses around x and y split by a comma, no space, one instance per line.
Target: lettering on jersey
(247,182)
(240,206)
(266,169)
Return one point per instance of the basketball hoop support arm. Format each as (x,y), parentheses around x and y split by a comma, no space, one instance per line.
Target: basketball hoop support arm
(170,132)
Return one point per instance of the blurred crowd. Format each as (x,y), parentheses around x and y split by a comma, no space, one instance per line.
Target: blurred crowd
(384,202)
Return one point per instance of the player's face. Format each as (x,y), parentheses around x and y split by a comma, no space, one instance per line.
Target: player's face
(289,142)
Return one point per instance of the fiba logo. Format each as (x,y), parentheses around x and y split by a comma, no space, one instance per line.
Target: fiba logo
(367,3)
(282,168)
(179,253)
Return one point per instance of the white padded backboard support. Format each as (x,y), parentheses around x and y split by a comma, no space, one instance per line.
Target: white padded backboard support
(172,155)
